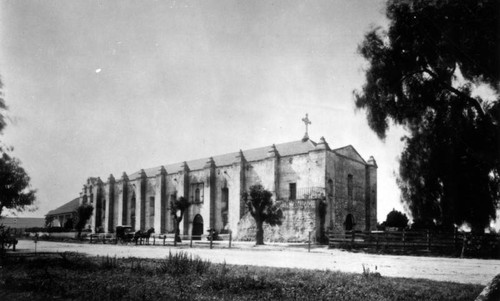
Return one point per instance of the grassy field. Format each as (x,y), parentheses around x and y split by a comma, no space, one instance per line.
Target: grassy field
(72,276)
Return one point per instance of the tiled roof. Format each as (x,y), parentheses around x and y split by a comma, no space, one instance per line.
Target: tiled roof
(66,208)
(256,154)
(22,222)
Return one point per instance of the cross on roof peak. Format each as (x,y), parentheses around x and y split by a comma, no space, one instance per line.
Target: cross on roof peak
(307,122)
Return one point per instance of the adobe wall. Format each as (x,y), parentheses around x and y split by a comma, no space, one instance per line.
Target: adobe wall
(299,218)
(171,191)
(300,215)
(260,172)
(306,170)
(338,169)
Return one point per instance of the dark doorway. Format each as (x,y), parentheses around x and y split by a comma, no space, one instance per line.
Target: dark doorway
(349,222)
(197,227)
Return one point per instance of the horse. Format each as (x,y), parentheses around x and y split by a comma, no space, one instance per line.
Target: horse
(140,235)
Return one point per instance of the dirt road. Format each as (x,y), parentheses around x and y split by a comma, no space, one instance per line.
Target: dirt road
(475,271)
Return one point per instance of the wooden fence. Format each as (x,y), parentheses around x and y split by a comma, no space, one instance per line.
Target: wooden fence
(166,239)
(445,242)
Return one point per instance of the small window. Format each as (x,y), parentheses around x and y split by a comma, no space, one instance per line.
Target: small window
(293,191)
(349,186)
(197,195)
(330,187)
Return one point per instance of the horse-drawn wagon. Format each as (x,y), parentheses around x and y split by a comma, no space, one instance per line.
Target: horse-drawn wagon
(124,233)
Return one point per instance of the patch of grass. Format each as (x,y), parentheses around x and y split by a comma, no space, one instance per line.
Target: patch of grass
(182,263)
(109,263)
(183,277)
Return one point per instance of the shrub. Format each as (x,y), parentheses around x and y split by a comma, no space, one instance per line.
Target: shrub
(56,230)
(396,219)
(35,229)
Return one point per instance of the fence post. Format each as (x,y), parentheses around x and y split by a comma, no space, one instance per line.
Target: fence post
(104,239)
(309,243)
(91,238)
(164,237)
(428,240)
(454,239)
(464,242)
(230,238)
(352,238)
(403,239)
(191,241)
(376,237)
(211,237)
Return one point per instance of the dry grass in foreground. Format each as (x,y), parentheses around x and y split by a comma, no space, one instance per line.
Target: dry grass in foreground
(180,276)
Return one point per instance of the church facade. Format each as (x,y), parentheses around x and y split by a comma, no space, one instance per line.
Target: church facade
(316,188)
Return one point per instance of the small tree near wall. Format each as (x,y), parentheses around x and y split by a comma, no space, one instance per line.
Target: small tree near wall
(260,205)
(83,214)
(177,208)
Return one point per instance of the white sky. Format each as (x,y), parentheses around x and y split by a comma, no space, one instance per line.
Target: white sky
(100,87)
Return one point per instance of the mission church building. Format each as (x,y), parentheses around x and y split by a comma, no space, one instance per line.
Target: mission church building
(316,188)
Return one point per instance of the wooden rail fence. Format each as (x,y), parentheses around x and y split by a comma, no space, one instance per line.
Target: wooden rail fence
(166,239)
(416,240)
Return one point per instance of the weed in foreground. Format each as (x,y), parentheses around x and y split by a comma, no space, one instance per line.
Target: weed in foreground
(182,263)
(368,273)
(108,263)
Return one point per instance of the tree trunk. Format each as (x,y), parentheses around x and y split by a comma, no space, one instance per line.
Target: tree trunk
(259,239)
(177,231)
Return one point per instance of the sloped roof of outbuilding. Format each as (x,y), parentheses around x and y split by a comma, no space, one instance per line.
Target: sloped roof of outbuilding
(69,207)
(256,154)
(22,222)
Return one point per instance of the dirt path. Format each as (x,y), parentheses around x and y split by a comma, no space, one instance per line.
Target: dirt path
(475,271)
